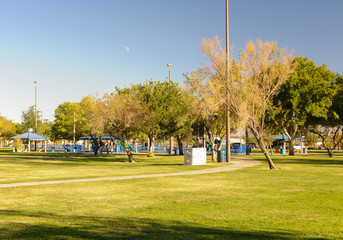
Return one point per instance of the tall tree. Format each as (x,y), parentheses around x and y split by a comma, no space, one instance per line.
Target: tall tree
(255,78)
(7,129)
(167,110)
(178,113)
(328,127)
(307,93)
(28,119)
(119,115)
(208,95)
(67,115)
(152,95)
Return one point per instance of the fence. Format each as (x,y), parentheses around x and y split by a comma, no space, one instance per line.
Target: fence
(117,149)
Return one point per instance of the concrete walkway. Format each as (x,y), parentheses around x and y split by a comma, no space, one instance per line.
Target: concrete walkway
(242,163)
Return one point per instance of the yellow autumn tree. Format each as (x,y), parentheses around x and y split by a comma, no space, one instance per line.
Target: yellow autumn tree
(254,79)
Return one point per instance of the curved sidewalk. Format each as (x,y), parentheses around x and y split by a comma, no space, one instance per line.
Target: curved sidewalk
(243,163)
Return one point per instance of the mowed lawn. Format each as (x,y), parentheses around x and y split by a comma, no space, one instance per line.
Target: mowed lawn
(303,199)
(32,167)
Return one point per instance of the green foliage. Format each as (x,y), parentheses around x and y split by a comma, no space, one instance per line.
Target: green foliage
(209,107)
(305,97)
(167,108)
(307,93)
(69,113)
(28,121)
(7,128)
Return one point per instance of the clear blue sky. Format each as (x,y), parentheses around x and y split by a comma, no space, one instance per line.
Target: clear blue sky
(74,48)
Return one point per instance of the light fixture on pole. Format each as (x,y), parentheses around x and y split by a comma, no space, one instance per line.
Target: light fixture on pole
(170,67)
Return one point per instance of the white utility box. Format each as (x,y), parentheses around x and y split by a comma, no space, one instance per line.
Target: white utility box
(195,156)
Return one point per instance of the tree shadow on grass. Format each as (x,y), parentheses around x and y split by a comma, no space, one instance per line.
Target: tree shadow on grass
(64,160)
(50,226)
(314,162)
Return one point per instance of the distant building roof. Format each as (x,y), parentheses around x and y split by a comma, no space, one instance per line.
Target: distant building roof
(31,136)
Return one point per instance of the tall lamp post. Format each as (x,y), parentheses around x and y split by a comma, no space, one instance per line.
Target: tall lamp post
(35,82)
(227,85)
(74,132)
(170,67)
(35,105)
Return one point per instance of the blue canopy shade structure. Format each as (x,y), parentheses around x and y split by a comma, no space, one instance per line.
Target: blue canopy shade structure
(105,137)
(283,137)
(31,136)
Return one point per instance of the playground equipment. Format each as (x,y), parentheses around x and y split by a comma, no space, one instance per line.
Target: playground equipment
(122,147)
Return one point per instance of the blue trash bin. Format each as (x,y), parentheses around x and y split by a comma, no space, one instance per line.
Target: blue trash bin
(53,149)
(283,151)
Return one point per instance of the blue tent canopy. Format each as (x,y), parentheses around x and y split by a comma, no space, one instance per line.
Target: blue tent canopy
(105,137)
(31,136)
(283,137)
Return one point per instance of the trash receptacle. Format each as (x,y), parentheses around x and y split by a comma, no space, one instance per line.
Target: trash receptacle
(177,151)
(283,151)
(221,156)
(53,149)
(304,150)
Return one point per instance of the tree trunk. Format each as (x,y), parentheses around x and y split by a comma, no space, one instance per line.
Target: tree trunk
(214,155)
(263,148)
(97,144)
(179,142)
(128,151)
(266,154)
(150,150)
(330,152)
(291,147)
(270,147)
(247,152)
(214,151)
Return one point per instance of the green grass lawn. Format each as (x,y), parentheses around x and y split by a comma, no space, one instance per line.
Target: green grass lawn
(303,199)
(6,149)
(31,167)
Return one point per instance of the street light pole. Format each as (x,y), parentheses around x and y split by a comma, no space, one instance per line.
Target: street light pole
(227,85)
(74,131)
(35,82)
(170,67)
(35,105)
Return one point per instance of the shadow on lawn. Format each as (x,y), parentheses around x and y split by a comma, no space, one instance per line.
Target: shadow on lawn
(314,162)
(82,227)
(60,160)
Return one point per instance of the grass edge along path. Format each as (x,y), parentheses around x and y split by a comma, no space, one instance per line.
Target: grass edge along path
(242,163)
